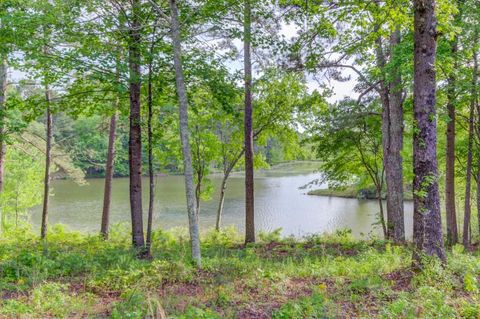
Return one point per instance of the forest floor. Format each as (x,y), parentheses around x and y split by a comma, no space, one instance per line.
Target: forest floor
(334,276)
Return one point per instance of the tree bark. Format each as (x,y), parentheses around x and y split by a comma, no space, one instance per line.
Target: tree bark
(248,123)
(107,194)
(477,106)
(184,134)
(135,136)
(382,216)
(198,191)
(427,224)
(3,146)
(151,176)
(48,158)
(452,231)
(468,181)
(221,202)
(392,141)
(467,214)
(394,173)
(226,174)
(478,194)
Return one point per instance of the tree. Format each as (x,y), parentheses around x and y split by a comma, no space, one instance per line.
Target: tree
(471,119)
(205,145)
(248,127)
(135,137)
(3,98)
(366,39)
(348,142)
(23,184)
(391,95)
(48,160)
(427,224)
(184,133)
(452,231)
(109,169)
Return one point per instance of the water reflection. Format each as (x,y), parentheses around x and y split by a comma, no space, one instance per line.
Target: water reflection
(279,204)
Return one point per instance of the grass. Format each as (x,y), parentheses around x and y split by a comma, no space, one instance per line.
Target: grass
(349,192)
(335,276)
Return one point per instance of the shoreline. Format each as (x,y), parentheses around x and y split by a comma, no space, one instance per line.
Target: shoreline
(350,193)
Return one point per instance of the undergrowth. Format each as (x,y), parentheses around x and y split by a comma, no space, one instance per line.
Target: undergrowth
(73,275)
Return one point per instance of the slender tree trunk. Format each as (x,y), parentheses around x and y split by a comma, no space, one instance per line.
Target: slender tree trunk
(452,231)
(150,159)
(477,106)
(135,137)
(223,188)
(467,214)
(109,165)
(380,206)
(468,182)
(394,173)
(3,146)
(478,194)
(198,191)
(226,174)
(184,134)
(384,91)
(48,158)
(249,183)
(427,223)
(107,194)
(392,141)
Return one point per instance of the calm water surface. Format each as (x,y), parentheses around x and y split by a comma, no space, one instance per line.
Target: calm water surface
(279,203)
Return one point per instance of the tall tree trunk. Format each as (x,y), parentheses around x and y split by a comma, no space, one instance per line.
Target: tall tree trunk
(184,134)
(385,99)
(3,146)
(392,141)
(109,165)
(473,102)
(151,176)
(427,222)
(477,106)
(135,137)
(107,194)
(452,231)
(478,194)
(48,158)
(468,181)
(249,183)
(394,173)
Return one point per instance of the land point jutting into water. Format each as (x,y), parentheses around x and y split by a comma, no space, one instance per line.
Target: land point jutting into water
(246,159)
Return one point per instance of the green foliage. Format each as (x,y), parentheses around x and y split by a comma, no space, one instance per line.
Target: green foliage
(194,313)
(311,307)
(133,306)
(318,277)
(270,237)
(470,283)
(23,184)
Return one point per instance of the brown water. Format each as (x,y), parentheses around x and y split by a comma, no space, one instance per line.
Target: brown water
(279,203)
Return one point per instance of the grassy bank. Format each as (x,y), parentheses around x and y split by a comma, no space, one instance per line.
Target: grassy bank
(348,192)
(333,276)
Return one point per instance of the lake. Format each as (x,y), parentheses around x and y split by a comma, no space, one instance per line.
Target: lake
(280,202)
